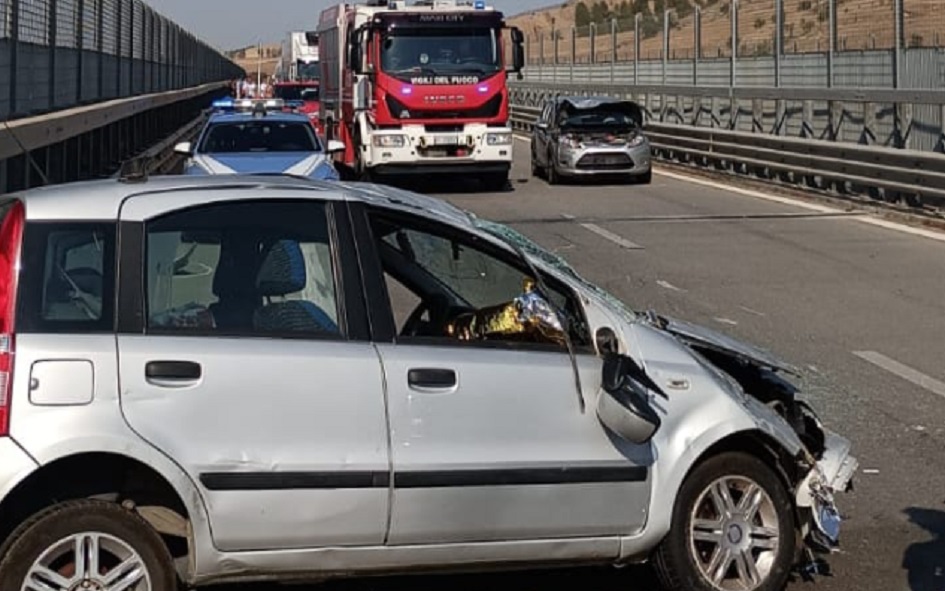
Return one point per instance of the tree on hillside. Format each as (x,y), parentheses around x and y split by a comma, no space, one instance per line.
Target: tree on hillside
(600,12)
(641,7)
(582,16)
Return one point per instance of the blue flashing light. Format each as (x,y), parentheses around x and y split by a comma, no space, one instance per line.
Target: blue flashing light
(223,104)
(480,5)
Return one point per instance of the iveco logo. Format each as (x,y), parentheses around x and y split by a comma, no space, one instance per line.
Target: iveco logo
(442,98)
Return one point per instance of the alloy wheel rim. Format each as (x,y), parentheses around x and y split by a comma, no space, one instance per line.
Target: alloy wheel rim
(734,534)
(88,561)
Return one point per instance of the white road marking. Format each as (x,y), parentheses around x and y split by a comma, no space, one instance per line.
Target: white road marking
(567,216)
(608,235)
(750,311)
(726,321)
(903,371)
(864,218)
(670,286)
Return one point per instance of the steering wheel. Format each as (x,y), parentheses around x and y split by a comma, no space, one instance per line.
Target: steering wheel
(438,305)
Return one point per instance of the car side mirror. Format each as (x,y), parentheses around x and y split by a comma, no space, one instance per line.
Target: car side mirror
(184,148)
(541,125)
(624,404)
(334,146)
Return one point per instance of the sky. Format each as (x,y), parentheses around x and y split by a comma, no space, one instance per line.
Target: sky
(231,24)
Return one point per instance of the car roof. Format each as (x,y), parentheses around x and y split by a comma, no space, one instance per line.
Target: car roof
(228,117)
(102,199)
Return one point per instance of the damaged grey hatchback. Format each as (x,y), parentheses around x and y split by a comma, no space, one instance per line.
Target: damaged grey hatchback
(208,379)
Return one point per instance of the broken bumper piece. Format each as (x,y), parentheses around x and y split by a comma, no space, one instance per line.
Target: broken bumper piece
(832,474)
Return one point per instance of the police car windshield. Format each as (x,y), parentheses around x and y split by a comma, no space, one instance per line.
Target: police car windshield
(464,52)
(260,136)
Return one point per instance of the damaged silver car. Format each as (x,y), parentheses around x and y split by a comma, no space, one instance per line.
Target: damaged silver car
(578,137)
(208,379)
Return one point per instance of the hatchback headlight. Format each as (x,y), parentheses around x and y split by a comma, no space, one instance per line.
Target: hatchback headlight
(389,141)
(637,140)
(498,139)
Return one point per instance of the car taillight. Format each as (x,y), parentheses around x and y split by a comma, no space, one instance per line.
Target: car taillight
(11,234)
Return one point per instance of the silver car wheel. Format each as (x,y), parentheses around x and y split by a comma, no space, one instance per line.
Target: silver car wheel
(88,561)
(734,534)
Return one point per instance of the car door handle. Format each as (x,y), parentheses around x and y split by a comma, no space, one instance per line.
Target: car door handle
(172,373)
(431,379)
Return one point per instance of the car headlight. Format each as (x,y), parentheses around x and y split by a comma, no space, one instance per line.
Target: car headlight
(389,141)
(637,140)
(498,139)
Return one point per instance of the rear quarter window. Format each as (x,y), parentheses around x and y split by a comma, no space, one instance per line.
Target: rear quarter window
(67,278)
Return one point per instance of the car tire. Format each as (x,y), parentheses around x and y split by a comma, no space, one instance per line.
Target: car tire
(118,538)
(697,547)
(646,178)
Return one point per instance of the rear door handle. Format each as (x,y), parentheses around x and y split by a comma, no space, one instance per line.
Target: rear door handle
(172,373)
(431,379)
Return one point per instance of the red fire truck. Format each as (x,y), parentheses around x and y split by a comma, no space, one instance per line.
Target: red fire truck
(419,88)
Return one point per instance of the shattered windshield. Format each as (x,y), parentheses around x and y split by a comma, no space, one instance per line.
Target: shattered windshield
(516,239)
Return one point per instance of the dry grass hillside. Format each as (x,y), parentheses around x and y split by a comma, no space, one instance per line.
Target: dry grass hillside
(248,58)
(861,24)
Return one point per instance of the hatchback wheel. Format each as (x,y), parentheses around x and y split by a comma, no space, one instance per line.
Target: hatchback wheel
(732,529)
(89,546)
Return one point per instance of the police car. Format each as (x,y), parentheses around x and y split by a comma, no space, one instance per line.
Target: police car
(259,136)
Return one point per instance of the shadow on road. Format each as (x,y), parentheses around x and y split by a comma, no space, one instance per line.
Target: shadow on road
(925,561)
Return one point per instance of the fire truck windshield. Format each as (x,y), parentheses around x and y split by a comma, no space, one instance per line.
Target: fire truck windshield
(296,92)
(308,71)
(456,53)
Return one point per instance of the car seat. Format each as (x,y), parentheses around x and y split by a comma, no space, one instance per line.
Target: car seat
(282,273)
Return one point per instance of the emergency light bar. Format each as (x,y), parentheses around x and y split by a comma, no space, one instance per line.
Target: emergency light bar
(249,104)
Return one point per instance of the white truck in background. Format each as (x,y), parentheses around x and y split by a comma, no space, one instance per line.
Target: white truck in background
(300,57)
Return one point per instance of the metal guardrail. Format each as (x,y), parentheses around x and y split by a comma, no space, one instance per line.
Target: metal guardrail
(899,118)
(38,132)
(56,54)
(867,172)
(161,158)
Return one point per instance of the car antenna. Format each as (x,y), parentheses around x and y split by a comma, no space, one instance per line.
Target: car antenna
(543,288)
(26,153)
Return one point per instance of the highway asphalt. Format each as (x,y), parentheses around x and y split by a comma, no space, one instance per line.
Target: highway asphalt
(860,308)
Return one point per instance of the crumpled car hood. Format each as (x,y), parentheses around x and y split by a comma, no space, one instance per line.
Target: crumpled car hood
(706,337)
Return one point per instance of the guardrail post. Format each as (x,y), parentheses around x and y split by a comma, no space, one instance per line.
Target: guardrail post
(665,44)
(51,31)
(541,55)
(807,129)
(732,69)
(696,44)
(831,38)
(778,41)
(636,49)
(613,49)
(100,47)
(14,52)
(573,53)
(868,135)
(80,49)
(899,37)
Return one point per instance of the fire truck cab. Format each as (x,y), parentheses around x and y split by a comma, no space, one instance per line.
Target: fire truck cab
(420,88)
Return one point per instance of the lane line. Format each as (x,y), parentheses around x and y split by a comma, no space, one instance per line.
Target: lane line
(728,321)
(669,286)
(751,311)
(861,217)
(903,371)
(608,235)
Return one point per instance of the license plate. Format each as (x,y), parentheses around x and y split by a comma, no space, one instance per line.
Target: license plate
(445,140)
